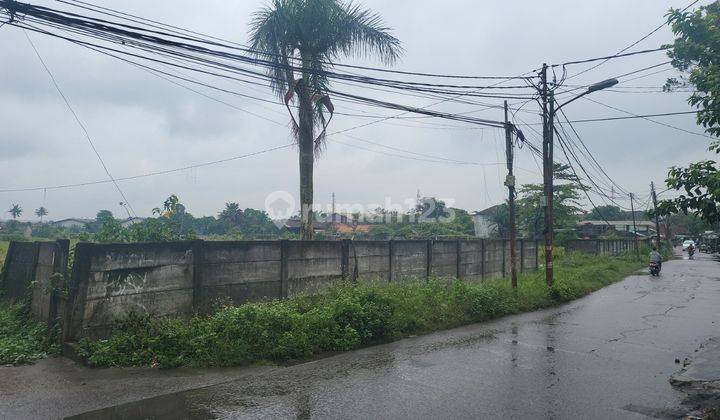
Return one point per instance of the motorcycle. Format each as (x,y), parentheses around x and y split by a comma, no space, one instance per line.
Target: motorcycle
(691,253)
(654,268)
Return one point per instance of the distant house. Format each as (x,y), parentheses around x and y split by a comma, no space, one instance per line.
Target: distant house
(624,228)
(71,223)
(349,229)
(293,226)
(485,227)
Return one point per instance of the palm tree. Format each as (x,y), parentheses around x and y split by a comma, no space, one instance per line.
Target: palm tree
(303,38)
(15,211)
(231,214)
(41,212)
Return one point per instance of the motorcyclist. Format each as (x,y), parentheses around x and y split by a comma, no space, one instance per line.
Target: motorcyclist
(656,257)
(691,250)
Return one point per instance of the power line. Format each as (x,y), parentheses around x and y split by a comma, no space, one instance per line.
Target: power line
(610,57)
(82,126)
(629,117)
(149,174)
(138,19)
(662,25)
(648,119)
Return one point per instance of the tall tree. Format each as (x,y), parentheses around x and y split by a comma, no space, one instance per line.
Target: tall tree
(696,53)
(303,38)
(41,212)
(607,212)
(231,214)
(566,202)
(15,211)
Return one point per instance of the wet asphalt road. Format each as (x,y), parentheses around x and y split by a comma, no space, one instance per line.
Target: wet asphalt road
(609,355)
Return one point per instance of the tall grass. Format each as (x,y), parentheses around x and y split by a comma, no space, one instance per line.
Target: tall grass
(345,318)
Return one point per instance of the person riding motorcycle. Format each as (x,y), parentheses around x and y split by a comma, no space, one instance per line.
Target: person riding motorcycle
(691,250)
(655,257)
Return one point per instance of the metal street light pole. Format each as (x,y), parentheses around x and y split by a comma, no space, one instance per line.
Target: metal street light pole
(548,124)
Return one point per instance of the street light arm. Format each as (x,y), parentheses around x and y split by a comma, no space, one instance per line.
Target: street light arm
(592,88)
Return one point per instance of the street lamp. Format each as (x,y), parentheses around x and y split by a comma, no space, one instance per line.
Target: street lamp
(548,168)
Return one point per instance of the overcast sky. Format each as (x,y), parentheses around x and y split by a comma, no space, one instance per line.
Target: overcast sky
(141,123)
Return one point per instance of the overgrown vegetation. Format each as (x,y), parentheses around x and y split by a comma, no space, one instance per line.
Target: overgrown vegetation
(345,318)
(21,339)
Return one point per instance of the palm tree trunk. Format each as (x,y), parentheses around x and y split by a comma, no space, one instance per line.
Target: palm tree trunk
(306,146)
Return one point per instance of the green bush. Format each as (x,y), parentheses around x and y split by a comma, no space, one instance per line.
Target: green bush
(22,340)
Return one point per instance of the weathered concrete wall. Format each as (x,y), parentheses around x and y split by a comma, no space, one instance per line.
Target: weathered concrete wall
(368,260)
(19,269)
(313,266)
(604,246)
(238,271)
(444,258)
(409,260)
(109,281)
(41,265)
(115,280)
(494,259)
(472,260)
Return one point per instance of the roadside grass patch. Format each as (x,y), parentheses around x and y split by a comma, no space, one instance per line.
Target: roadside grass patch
(22,340)
(344,318)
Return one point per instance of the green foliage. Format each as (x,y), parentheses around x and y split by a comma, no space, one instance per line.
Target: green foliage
(15,211)
(566,206)
(21,339)
(344,318)
(695,52)
(168,226)
(607,212)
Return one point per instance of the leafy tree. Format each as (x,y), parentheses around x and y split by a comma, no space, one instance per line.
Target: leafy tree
(696,53)
(41,212)
(257,222)
(608,212)
(566,206)
(303,38)
(231,214)
(15,211)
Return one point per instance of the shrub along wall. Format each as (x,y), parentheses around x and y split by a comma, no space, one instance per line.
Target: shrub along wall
(110,281)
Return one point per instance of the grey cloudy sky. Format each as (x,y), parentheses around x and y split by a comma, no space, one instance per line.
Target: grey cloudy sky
(141,123)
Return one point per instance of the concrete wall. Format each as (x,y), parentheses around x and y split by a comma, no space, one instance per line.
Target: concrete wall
(604,246)
(110,281)
(37,271)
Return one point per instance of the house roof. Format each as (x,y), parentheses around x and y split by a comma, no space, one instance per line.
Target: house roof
(294,223)
(72,220)
(489,210)
(348,229)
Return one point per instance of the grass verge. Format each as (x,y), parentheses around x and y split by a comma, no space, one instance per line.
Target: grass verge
(21,339)
(345,318)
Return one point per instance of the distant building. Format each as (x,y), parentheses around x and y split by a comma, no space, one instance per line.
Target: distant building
(71,223)
(624,228)
(484,221)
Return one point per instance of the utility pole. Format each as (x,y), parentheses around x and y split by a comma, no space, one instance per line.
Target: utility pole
(547,175)
(635,238)
(510,184)
(333,208)
(657,220)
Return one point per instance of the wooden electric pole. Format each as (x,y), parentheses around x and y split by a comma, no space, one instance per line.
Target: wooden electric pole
(547,200)
(635,238)
(657,220)
(510,183)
